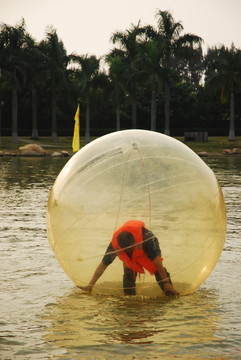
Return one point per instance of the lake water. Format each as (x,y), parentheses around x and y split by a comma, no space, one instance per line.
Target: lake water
(44,316)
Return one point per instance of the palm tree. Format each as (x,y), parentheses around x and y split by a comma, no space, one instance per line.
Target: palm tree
(149,60)
(127,52)
(56,65)
(223,70)
(174,47)
(84,77)
(116,74)
(2,85)
(35,75)
(13,42)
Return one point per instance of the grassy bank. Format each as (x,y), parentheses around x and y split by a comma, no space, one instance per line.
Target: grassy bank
(214,145)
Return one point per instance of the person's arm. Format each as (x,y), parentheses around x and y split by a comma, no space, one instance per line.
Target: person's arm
(168,288)
(97,274)
(108,258)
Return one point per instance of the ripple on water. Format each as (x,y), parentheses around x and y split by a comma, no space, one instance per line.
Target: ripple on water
(44,316)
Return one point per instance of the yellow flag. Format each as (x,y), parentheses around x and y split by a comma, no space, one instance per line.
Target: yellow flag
(75,142)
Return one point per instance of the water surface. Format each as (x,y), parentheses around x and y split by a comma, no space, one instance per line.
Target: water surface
(43,315)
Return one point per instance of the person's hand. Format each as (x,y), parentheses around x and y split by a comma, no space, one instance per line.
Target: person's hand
(169,290)
(87,288)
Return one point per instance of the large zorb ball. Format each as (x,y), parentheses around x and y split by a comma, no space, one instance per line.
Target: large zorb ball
(143,175)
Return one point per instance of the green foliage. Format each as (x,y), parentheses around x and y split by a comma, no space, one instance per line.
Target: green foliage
(148,67)
(223,72)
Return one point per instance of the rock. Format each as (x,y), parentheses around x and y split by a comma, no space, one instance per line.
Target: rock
(9,153)
(227,152)
(236,151)
(32,150)
(65,153)
(56,154)
(203,154)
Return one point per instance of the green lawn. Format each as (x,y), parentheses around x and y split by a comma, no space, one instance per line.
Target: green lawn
(215,144)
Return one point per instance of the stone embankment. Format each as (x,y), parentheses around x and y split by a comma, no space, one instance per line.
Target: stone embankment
(35,150)
(234,151)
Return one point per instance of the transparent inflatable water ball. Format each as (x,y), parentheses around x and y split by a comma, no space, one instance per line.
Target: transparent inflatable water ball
(142,175)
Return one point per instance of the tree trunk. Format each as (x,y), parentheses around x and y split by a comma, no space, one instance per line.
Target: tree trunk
(133,107)
(0,120)
(118,117)
(167,109)
(87,123)
(14,116)
(34,114)
(232,114)
(54,123)
(153,110)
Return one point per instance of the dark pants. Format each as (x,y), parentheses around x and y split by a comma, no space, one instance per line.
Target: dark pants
(129,281)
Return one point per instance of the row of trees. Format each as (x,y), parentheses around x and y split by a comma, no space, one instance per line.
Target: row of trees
(153,77)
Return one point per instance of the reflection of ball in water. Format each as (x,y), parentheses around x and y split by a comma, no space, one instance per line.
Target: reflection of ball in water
(137,174)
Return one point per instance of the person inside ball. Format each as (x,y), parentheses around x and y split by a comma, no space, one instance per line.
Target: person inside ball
(139,250)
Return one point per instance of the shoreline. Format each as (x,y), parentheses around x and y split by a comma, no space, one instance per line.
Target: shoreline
(235,152)
(44,147)
(48,153)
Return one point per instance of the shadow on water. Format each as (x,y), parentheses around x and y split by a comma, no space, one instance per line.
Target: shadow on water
(186,327)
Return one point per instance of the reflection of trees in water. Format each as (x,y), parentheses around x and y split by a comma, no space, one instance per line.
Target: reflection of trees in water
(170,325)
(25,183)
(26,172)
